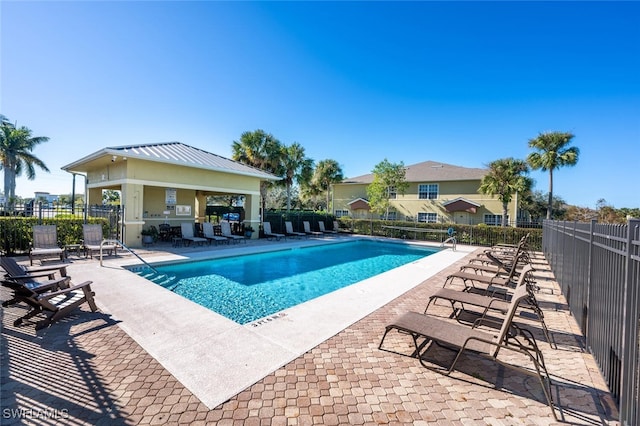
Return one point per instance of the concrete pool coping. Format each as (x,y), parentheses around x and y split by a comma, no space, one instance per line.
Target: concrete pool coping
(216,358)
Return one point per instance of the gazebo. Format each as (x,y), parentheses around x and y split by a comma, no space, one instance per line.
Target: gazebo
(167,183)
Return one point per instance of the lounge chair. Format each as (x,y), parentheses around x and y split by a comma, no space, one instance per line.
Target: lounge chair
(45,243)
(426,329)
(93,241)
(14,269)
(188,234)
(32,278)
(225,230)
(19,286)
(336,226)
(308,231)
(54,304)
(271,235)
(504,253)
(494,283)
(324,230)
(209,234)
(492,265)
(461,300)
(522,244)
(288,226)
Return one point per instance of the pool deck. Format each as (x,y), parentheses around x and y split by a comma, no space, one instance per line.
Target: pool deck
(151,357)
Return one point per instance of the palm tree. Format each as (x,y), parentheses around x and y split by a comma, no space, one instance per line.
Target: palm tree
(16,145)
(327,173)
(552,154)
(504,179)
(262,151)
(296,166)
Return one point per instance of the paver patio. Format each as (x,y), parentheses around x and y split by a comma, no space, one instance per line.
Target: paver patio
(86,370)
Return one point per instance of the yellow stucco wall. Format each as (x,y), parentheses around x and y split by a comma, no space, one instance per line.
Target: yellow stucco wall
(144,184)
(410,205)
(169,175)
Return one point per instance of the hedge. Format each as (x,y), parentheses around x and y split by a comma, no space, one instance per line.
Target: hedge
(16,233)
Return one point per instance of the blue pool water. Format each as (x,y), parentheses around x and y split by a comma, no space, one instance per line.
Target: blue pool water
(250,287)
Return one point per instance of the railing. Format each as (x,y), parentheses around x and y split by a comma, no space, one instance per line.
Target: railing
(120,243)
(598,269)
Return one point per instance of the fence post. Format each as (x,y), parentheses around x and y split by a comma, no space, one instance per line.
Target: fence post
(592,226)
(629,374)
(39,212)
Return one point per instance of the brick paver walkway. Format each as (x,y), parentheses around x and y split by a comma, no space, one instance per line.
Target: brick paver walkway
(85,370)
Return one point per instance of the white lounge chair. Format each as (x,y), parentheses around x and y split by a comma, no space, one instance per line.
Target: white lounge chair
(307,229)
(209,234)
(225,230)
(271,235)
(288,226)
(324,230)
(188,234)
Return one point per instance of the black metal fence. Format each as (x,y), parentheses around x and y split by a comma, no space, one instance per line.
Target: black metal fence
(16,224)
(477,235)
(277,220)
(480,235)
(598,269)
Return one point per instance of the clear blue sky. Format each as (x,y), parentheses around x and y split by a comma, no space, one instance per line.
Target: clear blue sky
(463,83)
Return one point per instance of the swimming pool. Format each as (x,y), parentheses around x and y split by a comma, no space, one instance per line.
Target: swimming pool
(249,287)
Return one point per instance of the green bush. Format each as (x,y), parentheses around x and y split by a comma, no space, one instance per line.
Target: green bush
(479,235)
(16,233)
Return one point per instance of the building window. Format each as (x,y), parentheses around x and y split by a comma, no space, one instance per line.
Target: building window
(428,217)
(340,213)
(428,191)
(389,216)
(391,191)
(494,219)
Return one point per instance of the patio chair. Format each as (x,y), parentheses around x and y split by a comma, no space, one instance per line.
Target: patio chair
(490,284)
(461,300)
(14,269)
(507,247)
(271,235)
(93,241)
(188,234)
(504,253)
(210,235)
(32,278)
(425,329)
(45,243)
(324,230)
(54,304)
(493,265)
(288,227)
(308,231)
(18,286)
(225,230)
(164,232)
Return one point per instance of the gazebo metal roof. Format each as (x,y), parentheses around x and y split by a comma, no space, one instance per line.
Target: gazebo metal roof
(173,153)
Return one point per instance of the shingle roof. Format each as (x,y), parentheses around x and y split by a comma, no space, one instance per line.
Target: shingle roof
(180,154)
(430,171)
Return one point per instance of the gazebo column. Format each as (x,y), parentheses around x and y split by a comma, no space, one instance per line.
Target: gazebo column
(132,200)
(200,207)
(252,213)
